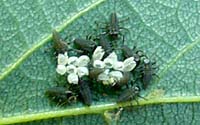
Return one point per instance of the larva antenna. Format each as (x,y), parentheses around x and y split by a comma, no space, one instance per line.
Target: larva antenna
(115,6)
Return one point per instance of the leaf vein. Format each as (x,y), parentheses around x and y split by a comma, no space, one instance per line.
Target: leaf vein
(47,38)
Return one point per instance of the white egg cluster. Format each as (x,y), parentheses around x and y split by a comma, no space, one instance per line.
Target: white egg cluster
(76,67)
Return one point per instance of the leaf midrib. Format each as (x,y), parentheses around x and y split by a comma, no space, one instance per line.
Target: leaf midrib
(96,109)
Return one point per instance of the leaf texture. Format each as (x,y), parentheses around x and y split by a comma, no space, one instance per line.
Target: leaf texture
(167,30)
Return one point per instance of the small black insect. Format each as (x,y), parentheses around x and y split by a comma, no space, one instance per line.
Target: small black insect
(129,94)
(94,72)
(87,46)
(61,95)
(105,43)
(113,27)
(59,45)
(147,72)
(128,52)
(124,81)
(85,92)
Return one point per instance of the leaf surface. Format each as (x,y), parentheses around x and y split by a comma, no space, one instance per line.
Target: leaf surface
(167,30)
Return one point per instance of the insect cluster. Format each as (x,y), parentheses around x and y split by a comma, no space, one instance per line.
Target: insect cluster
(100,65)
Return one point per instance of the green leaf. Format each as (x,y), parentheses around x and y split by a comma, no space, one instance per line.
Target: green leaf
(166,30)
